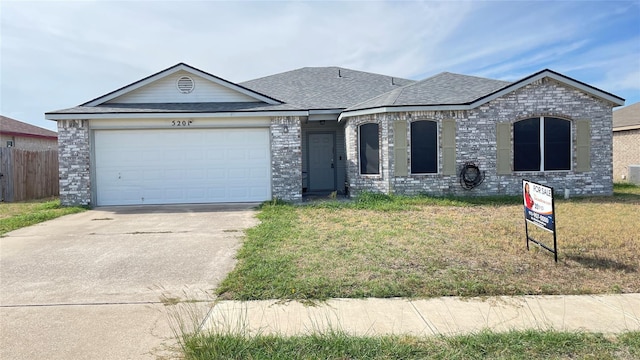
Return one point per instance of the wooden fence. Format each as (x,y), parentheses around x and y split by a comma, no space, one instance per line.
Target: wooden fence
(28,175)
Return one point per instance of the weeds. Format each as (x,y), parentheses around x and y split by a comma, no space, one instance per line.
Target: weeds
(486,345)
(388,246)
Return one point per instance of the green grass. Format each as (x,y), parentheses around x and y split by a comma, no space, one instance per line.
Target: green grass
(626,190)
(14,216)
(390,246)
(485,345)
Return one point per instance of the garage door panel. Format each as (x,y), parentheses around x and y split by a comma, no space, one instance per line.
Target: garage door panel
(182,166)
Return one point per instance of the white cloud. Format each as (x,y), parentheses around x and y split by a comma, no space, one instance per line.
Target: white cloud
(59,54)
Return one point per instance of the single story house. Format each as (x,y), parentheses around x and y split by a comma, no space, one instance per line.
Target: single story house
(626,143)
(183,135)
(20,135)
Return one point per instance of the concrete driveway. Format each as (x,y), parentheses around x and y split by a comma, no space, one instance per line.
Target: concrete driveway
(96,285)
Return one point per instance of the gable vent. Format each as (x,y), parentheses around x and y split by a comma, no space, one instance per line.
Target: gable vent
(185,84)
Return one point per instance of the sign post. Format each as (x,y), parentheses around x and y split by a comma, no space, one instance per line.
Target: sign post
(539,210)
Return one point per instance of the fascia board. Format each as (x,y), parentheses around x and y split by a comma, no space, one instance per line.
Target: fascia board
(325,111)
(628,127)
(408,108)
(89,116)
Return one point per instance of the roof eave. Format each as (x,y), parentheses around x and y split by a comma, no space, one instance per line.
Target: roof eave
(403,108)
(627,127)
(168,115)
(13,133)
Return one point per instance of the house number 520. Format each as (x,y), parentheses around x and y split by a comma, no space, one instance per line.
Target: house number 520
(181,123)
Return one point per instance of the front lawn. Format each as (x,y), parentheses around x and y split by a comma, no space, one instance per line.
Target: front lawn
(380,246)
(486,345)
(17,215)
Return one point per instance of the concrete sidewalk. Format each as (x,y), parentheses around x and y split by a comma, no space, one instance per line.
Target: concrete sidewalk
(438,316)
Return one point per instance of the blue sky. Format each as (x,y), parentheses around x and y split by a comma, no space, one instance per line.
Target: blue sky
(59,54)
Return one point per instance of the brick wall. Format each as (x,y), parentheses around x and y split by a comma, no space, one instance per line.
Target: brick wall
(358,182)
(626,151)
(476,142)
(74,158)
(286,158)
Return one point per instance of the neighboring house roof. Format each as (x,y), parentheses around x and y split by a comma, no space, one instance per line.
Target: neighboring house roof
(448,91)
(627,118)
(315,88)
(9,126)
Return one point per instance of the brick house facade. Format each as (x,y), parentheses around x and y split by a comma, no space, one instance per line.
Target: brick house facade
(626,141)
(476,141)
(309,122)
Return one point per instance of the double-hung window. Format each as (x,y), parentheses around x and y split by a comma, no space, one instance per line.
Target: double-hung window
(369,149)
(542,144)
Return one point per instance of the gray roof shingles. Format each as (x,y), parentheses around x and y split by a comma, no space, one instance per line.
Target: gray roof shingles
(329,88)
(315,88)
(442,89)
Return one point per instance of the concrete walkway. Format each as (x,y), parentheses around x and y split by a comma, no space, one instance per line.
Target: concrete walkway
(438,316)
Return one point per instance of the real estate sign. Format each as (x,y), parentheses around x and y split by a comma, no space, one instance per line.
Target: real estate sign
(538,205)
(539,211)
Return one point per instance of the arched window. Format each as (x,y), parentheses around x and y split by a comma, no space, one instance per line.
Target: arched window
(369,148)
(542,144)
(424,147)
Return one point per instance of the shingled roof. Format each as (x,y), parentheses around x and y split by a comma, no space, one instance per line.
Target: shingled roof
(442,89)
(626,117)
(9,126)
(317,88)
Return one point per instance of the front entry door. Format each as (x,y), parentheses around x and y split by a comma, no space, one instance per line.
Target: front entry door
(322,167)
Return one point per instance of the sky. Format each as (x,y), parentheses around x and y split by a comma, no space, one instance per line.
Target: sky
(59,54)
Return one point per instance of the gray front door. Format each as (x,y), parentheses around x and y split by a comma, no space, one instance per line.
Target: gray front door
(322,172)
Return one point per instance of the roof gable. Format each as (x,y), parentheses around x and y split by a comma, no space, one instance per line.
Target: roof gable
(14,127)
(448,91)
(546,73)
(161,88)
(333,87)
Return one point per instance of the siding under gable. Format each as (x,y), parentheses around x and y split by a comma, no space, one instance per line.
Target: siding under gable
(165,91)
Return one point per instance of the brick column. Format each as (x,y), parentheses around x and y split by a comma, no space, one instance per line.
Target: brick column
(74,158)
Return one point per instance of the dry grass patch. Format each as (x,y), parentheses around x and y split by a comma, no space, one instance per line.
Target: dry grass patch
(17,215)
(425,247)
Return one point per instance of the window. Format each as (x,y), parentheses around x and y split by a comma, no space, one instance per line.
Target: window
(424,147)
(542,144)
(369,149)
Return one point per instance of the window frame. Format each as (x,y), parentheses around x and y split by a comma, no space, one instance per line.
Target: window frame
(379,171)
(541,144)
(436,147)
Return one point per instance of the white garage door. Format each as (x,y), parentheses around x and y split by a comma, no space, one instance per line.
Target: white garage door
(182,166)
